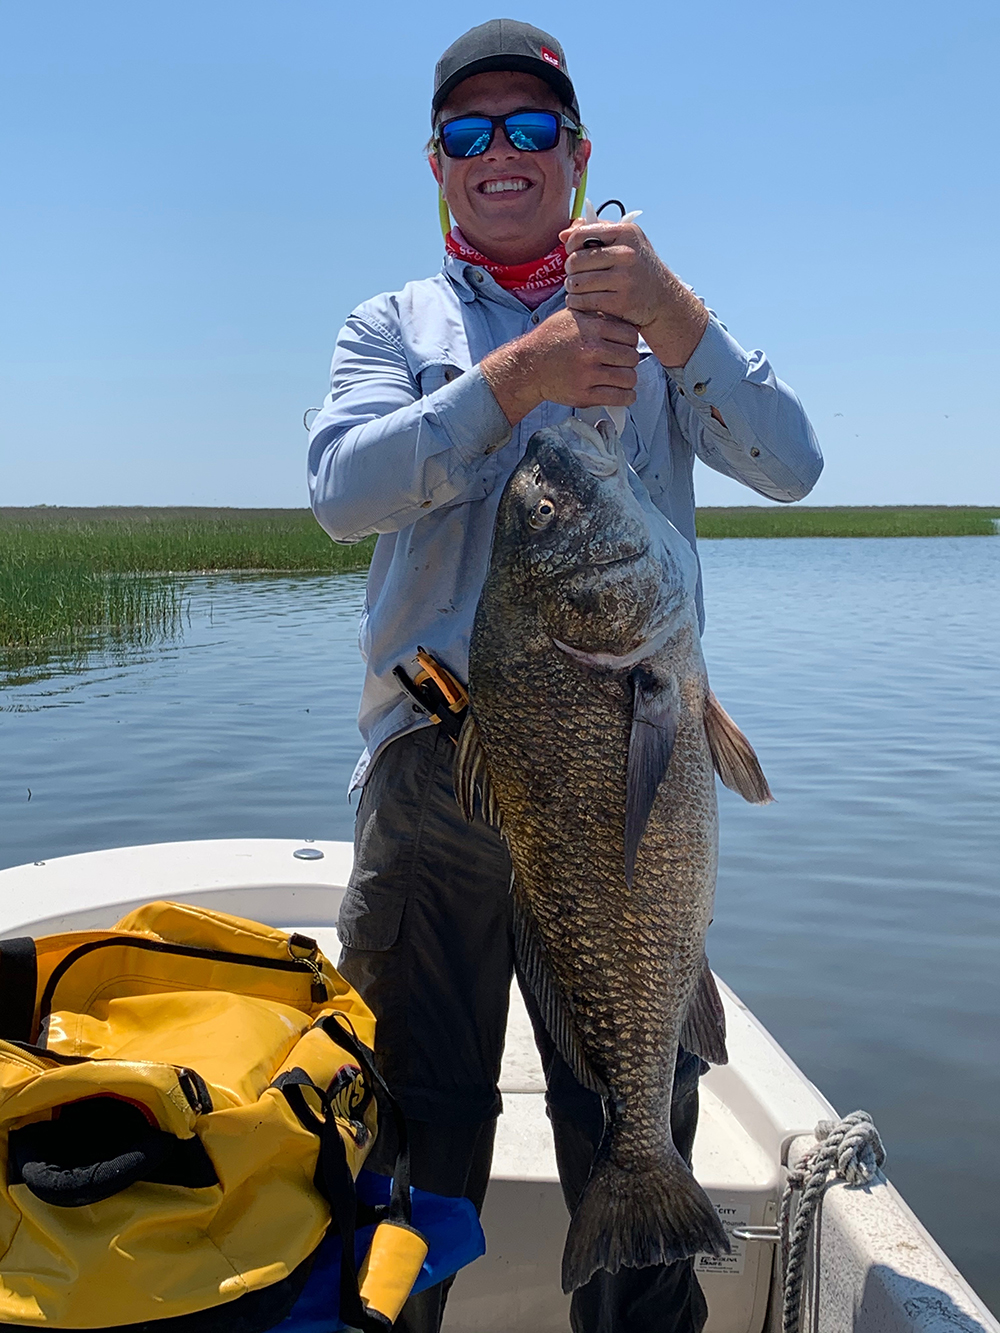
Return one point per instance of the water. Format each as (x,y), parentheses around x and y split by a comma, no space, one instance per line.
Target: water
(857,916)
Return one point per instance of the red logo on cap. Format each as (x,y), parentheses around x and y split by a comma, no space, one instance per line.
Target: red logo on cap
(550,57)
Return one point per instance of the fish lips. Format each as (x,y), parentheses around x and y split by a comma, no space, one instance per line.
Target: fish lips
(574,455)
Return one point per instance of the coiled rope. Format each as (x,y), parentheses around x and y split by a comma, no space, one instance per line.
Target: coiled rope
(852,1150)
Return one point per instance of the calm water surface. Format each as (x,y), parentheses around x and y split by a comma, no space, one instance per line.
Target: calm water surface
(858,916)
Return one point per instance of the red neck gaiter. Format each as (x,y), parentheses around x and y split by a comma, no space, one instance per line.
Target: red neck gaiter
(531,283)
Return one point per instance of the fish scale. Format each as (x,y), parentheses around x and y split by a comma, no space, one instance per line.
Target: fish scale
(593,735)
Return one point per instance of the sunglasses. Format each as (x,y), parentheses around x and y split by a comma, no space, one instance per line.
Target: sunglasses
(527,131)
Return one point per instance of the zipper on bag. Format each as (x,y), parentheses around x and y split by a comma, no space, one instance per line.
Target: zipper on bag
(294,964)
(308,959)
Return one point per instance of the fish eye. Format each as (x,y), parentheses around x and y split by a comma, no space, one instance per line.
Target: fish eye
(542,514)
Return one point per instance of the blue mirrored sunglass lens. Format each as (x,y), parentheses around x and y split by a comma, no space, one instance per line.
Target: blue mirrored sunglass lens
(532,131)
(466,138)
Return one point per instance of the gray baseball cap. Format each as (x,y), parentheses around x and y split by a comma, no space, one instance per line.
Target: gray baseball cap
(504,44)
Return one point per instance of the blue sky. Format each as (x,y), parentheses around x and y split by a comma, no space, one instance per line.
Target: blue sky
(195,194)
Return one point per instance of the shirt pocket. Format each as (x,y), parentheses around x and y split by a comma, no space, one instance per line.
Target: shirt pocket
(435,375)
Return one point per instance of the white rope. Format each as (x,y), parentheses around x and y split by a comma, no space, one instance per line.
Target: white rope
(852,1150)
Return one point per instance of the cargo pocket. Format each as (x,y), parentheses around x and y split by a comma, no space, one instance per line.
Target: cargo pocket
(370,919)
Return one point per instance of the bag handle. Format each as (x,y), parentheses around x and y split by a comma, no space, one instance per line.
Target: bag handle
(42,1158)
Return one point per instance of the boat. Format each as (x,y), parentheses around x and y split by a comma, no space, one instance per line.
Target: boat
(871,1267)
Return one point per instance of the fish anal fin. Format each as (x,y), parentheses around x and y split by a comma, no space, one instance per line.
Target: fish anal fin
(733,755)
(471,776)
(704,1029)
(651,743)
(535,971)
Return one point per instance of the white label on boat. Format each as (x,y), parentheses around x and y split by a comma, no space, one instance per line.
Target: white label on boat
(730,1215)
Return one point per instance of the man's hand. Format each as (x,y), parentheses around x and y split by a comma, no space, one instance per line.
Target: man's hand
(626,278)
(573,358)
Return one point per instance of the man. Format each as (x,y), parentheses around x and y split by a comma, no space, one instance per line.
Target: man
(435,392)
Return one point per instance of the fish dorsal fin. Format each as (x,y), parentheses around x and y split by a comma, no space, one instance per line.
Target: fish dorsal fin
(733,756)
(536,972)
(704,1028)
(471,776)
(654,729)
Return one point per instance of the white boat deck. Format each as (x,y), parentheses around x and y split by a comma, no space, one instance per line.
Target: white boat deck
(880,1271)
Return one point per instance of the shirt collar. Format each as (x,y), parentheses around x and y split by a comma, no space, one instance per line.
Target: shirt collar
(472,283)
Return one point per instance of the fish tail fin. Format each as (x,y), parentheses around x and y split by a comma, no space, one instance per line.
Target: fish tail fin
(638,1218)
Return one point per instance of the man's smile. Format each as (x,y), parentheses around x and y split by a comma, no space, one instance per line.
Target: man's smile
(504,185)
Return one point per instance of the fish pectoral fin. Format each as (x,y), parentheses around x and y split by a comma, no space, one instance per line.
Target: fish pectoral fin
(535,971)
(733,755)
(703,1031)
(471,775)
(654,729)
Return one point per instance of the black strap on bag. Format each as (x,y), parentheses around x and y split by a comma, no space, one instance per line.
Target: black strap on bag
(18,983)
(335,1182)
(333,1175)
(388,1109)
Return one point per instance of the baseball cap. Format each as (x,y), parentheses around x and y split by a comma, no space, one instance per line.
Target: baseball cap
(504,44)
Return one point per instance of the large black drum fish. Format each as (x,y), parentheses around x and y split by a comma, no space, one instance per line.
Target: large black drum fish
(592,740)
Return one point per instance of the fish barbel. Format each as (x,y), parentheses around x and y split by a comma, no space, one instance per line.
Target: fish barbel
(591,740)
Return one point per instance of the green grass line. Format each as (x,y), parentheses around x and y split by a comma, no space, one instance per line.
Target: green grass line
(177,540)
(848,521)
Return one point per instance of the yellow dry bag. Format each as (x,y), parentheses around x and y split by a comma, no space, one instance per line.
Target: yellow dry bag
(185,1101)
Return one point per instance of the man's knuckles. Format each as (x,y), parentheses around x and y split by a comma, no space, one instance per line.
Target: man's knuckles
(596,259)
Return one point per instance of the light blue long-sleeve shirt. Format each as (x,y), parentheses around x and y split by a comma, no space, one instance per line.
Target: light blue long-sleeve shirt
(411,444)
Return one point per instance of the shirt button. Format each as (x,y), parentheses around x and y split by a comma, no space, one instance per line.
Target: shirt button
(478,275)
(755,452)
(426,504)
(700,388)
(534,318)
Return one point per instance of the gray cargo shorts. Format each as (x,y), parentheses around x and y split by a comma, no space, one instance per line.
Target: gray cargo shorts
(426,930)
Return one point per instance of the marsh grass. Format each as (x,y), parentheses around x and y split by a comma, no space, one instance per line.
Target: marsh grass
(64,602)
(74,579)
(848,521)
(177,540)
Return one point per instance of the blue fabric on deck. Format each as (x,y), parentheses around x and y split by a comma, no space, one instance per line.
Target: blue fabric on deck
(450,1227)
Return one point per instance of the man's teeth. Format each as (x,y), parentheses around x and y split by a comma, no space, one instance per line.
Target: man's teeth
(503,187)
